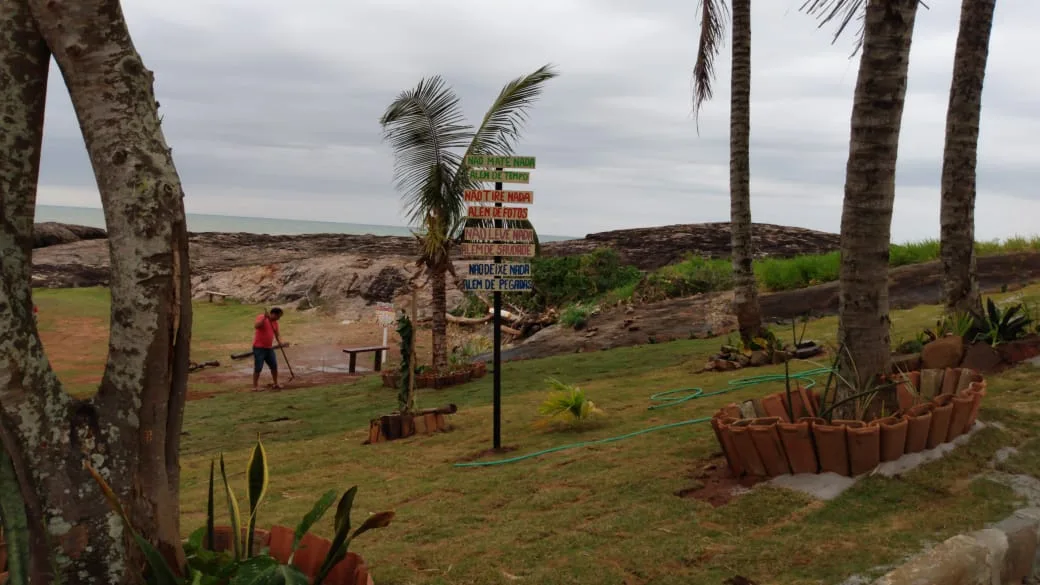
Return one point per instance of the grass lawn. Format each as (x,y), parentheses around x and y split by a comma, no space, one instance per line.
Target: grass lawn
(599,514)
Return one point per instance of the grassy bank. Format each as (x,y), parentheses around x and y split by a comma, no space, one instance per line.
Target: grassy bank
(572,283)
(601,514)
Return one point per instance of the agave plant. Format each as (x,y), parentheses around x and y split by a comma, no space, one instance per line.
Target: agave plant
(996,326)
(568,404)
(244,567)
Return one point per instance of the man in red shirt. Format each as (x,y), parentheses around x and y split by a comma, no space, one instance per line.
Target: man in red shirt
(264,338)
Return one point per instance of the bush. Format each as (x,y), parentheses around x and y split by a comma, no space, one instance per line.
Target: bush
(689,277)
(776,274)
(559,280)
(576,315)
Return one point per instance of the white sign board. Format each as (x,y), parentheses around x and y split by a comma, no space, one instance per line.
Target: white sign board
(385,314)
(517,285)
(492,196)
(505,162)
(499,235)
(518,250)
(515,270)
(487,212)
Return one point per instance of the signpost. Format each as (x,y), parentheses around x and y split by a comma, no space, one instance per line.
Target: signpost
(498,242)
(386,317)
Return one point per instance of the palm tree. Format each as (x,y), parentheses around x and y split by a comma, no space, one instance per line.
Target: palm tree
(957,244)
(713,16)
(866,218)
(430,139)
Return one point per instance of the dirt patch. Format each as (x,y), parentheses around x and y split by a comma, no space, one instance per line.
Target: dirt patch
(486,453)
(716,484)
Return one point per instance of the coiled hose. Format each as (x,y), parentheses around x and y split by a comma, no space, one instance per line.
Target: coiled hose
(667,399)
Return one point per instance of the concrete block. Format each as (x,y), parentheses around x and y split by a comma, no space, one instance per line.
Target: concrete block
(975,559)
(1022,537)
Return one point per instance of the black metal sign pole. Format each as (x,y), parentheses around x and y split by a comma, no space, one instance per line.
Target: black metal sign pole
(498,346)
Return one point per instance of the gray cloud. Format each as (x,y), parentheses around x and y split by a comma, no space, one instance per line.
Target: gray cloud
(272,109)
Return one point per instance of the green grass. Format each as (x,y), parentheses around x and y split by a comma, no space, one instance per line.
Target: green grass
(600,514)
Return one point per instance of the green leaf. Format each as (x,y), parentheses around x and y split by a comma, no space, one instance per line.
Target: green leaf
(162,574)
(15,523)
(258,476)
(338,549)
(211,533)
(312,517)
(196,540)
(258,570)
(233,511)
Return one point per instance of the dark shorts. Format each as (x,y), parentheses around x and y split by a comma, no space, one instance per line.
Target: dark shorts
(264,355)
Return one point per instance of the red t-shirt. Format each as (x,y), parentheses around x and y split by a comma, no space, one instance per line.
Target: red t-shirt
(264,336)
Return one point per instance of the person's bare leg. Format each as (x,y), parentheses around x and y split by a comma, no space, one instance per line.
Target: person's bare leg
(256,380)
(274,375)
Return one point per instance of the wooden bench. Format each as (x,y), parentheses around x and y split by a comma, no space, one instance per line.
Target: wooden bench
(353,351)
(213,293)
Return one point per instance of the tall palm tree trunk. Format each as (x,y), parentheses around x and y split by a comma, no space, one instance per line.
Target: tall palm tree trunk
(438,282)
(957,247)
(870,178)
(745,290)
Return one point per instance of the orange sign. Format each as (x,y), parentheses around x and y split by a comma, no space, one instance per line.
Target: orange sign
(488,212)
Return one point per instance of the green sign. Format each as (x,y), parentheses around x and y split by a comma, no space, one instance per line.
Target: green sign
(499,176)
(488,161)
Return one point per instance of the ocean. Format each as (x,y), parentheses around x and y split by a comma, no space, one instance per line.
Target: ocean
(201,222)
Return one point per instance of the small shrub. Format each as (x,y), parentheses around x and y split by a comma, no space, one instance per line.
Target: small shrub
(576,315)
(567,405)
(995,326)
(778,274)
(692,276)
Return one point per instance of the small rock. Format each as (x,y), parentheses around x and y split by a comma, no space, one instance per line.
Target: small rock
(759,358)
(946,352)
(743,360)
(726,365)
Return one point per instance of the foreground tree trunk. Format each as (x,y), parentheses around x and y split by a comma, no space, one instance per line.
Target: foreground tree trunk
(439,306)
(957,247)
(130,430)
(745,288)
(866,219)
(25,375)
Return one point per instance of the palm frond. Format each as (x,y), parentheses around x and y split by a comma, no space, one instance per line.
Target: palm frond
(714,14)
(504,120)
(843,12)
(425,127)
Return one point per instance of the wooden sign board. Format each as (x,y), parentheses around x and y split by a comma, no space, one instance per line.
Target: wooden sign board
(491,196)
(507,235)
(499,176)
(385,314)
(516,250)
(488,212)
(488,161)
(515,285)
(513,270)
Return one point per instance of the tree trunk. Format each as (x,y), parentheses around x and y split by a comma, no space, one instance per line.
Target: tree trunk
(24,64)
(130,430)
(957,247)
(438,283)
(866,219)
(745,288)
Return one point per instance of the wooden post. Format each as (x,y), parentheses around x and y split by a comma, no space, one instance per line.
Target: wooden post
(411,375)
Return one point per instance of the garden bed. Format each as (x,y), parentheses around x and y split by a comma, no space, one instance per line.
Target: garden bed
(432,379)
(399,426)
(761,438)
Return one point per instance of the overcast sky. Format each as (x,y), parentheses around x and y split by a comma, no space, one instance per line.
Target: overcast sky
(272,110)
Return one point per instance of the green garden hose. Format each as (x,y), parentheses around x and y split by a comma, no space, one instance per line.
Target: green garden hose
(667,399)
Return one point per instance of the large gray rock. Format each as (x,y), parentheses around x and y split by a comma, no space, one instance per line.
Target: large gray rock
(53,234)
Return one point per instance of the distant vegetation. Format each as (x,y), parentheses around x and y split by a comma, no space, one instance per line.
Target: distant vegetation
(576,284)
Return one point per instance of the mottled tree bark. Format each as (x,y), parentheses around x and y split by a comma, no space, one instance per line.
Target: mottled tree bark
(130,430)
(866,219)
(957,248)
(745,288)
(439,306)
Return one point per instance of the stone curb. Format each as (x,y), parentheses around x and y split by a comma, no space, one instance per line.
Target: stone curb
(1000,555)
